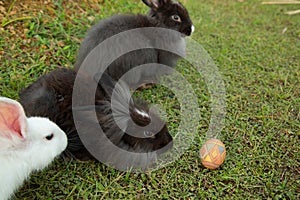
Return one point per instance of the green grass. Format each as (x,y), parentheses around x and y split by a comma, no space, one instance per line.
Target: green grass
(259,63)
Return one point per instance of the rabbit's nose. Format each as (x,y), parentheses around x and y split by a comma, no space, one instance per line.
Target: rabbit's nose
(188,31)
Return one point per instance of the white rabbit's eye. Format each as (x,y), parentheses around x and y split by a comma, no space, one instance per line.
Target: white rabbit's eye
(149,134)
(49,137)
(176,18)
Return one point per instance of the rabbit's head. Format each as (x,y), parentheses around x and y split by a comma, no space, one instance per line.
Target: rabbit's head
(35,141)
(171,14)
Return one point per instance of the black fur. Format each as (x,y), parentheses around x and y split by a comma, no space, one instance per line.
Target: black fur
(160,16)
(51,96)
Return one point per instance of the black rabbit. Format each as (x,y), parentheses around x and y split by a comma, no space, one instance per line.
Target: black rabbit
(163,14)
(51,96)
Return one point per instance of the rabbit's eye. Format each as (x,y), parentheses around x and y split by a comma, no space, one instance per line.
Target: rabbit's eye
(149,134)
(49,137)
(176,18)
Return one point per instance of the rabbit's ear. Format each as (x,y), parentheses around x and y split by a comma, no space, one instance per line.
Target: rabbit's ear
(155,4)
(13,121)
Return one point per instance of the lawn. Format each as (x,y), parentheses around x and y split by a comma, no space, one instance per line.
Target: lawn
(257,51)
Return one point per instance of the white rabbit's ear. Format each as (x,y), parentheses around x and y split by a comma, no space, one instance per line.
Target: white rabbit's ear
(155,4)
(13,121)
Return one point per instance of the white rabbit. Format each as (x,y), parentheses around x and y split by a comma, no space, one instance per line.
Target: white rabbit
(26,144)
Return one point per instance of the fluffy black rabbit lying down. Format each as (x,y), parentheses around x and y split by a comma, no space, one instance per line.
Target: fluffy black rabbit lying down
(51,96)
(164,14)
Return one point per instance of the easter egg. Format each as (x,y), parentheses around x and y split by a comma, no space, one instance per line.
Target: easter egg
(212,153)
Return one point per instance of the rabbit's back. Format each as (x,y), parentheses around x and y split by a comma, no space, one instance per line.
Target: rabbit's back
(148,55)
(59,86)
(51,96)
(107,28)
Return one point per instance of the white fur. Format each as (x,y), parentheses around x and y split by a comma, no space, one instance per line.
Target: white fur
(143,113)
(193,28)
(22,155)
